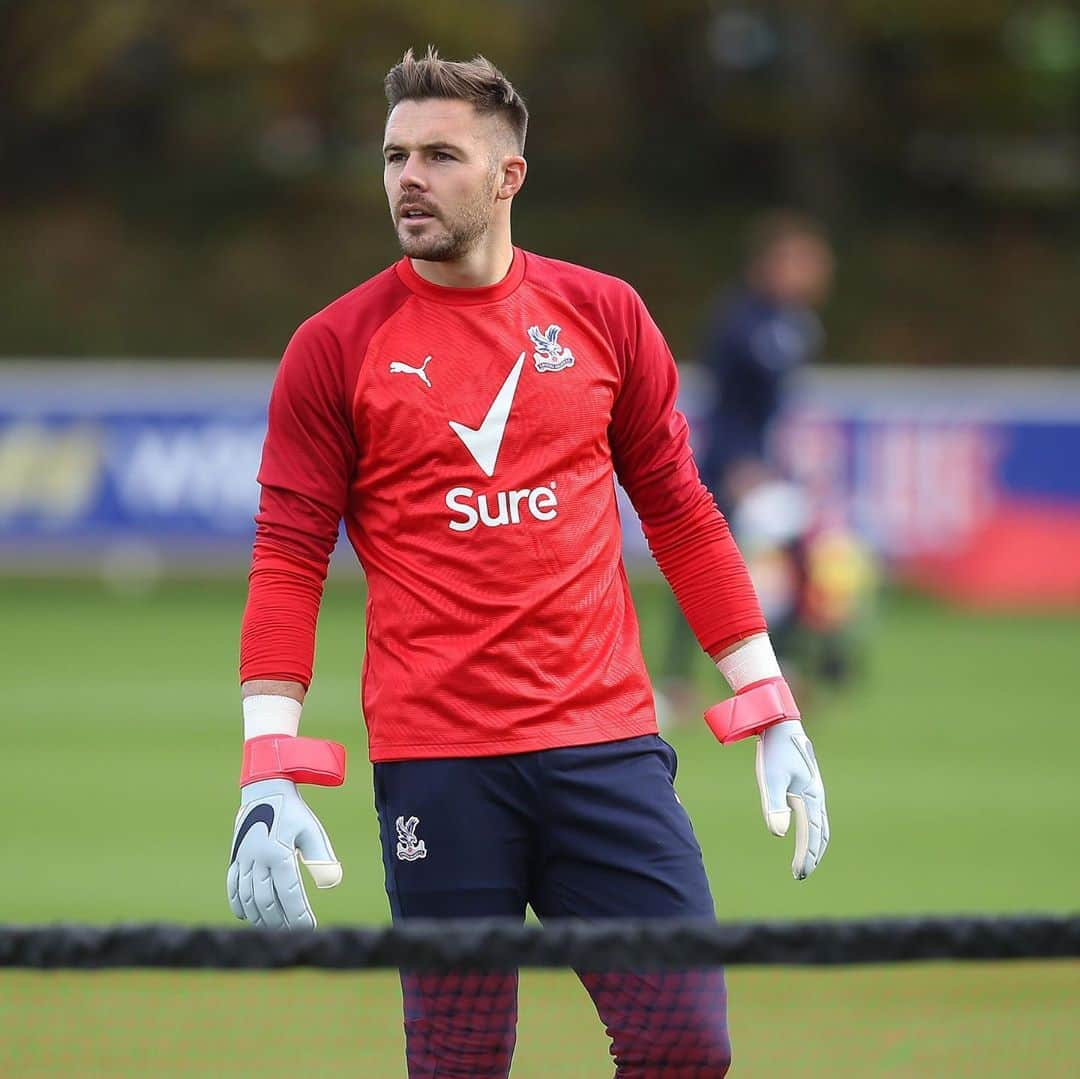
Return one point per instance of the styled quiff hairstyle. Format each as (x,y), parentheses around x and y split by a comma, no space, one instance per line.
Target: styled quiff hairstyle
(477,81)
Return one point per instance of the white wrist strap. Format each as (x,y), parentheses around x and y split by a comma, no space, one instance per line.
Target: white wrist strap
(751,662)
(270,714)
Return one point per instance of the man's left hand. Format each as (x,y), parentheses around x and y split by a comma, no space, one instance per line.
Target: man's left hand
(790,781)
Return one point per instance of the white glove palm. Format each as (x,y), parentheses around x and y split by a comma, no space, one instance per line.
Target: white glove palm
(275,830)
(789,780)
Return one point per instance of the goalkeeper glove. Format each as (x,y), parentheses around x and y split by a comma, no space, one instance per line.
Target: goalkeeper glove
(275,830)
(787,772)
(790,782)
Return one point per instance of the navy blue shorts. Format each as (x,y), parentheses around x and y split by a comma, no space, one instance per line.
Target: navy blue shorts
(581,832)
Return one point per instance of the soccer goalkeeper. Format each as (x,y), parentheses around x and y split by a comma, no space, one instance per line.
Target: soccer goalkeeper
(465,412)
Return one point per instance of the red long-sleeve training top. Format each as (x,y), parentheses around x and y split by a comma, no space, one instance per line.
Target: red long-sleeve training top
(470,439)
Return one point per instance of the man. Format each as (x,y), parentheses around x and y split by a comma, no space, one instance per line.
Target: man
(465,412)
(761,335)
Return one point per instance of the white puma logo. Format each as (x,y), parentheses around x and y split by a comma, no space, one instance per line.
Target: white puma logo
(399,368)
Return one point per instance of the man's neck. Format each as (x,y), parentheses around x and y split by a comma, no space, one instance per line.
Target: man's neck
(481,267)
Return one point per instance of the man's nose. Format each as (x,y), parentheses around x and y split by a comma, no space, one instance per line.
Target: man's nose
(412,175)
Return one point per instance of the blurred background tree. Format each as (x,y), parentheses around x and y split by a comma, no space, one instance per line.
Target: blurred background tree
(189,180)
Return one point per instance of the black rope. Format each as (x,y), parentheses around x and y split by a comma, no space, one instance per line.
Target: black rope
(599,946)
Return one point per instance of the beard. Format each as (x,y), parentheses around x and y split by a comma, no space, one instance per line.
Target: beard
(447,238)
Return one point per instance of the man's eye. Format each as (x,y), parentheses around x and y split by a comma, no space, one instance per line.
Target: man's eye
(442,155)
(393,159)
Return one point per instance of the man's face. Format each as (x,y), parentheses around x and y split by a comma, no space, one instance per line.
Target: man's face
(799,270)
(442,164)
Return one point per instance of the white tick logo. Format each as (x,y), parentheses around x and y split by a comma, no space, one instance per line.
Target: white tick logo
(399,368)
(483,442)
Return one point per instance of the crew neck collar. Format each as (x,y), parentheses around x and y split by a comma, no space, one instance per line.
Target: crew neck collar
(444,294)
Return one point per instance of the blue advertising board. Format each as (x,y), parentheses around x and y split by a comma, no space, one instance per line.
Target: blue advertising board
(94,457)
(968,480)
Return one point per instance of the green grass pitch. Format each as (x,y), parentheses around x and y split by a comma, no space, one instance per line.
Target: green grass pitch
(950,770)
(940,1021)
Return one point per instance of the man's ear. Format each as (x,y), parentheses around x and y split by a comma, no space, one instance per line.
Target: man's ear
(511,176)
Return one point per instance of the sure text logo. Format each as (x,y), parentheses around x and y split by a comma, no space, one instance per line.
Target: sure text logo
(500,507)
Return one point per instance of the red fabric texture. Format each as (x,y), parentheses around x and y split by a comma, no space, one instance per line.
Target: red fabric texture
(687,534)
(277,638)
(469,439)
(308,461)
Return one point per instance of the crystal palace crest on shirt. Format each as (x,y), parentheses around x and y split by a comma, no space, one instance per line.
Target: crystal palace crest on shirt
(549,354)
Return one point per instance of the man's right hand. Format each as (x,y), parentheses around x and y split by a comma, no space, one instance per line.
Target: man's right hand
(275,830)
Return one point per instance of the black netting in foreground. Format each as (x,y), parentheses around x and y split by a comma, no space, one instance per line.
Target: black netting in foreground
(647,1000)
(492,946)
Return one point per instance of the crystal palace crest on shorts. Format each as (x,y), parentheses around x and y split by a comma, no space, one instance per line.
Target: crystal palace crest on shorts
(549,354)
(409,848)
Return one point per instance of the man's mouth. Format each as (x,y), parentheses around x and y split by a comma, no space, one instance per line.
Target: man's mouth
(414,213)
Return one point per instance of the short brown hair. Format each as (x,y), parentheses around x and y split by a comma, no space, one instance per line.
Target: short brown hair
(477,81)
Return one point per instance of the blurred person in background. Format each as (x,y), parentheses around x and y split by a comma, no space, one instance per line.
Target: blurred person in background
(762,333)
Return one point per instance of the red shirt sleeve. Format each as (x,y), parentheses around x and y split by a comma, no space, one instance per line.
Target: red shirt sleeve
(687,534)
(307,464)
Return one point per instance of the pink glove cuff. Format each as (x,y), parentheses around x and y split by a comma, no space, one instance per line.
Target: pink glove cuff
(750,711)
(303,760)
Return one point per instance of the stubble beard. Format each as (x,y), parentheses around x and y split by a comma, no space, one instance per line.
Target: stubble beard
(456,238)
